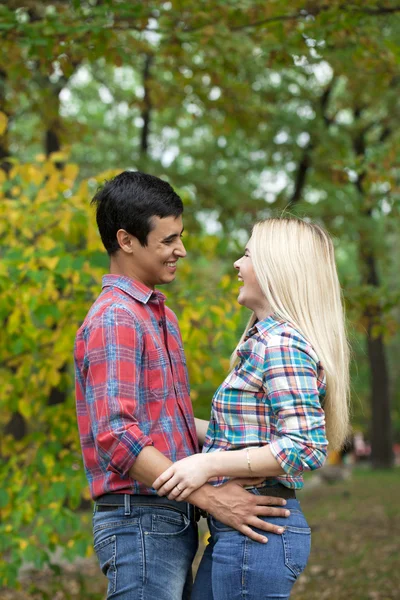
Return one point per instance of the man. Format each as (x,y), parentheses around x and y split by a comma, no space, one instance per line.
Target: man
(134,412)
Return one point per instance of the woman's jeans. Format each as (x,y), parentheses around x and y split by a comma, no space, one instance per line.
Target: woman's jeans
(146,553)
(234,567)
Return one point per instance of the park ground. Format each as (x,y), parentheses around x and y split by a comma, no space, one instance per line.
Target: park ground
(355,546)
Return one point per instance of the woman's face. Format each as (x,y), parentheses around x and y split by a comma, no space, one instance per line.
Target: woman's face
(250,294)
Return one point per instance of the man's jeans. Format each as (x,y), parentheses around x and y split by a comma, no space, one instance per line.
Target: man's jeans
(145,552)
(234,567)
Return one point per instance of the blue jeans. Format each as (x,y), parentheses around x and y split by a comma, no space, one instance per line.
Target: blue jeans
(146,553)
(234,567)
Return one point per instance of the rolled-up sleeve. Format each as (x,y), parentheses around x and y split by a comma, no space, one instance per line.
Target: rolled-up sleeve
(290,382)
(114,357)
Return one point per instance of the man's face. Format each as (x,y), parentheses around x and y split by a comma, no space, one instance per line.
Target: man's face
(156,263)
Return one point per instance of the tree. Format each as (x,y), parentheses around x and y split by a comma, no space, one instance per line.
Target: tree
(248,108)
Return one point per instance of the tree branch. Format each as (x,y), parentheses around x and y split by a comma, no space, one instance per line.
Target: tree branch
(306,161)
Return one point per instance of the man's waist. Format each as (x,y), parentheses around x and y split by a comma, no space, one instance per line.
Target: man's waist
(109,502)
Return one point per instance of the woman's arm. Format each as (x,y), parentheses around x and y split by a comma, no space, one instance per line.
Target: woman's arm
(289,375)
(188,474)
(201,430)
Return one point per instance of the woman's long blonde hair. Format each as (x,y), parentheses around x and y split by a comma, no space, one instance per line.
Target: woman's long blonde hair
(294,263)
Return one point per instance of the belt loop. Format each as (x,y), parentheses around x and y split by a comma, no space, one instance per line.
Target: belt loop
(127,503)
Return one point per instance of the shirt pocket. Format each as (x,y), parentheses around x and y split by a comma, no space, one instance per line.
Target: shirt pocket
(158,377)
(181,379)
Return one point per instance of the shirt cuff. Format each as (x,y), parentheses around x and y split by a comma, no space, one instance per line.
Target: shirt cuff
(294,460)
(286,454)
(128,449)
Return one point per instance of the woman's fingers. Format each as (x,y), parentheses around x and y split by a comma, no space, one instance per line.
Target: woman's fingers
(163,478)
(178,492)
(167,488)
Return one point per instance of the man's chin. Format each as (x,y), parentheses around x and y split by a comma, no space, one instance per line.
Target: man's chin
(167,280)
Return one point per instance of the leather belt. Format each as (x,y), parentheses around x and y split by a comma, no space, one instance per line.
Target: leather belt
(277,491)
(109,502)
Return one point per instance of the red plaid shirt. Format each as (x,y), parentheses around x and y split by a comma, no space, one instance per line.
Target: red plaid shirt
(132,387)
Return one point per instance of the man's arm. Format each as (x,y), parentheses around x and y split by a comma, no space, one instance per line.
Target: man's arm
(229,503)
(113,354)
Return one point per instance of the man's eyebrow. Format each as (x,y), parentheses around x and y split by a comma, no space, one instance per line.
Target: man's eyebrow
(247,249)
(173,236)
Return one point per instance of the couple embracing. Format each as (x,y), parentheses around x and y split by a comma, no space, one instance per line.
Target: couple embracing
(283,399)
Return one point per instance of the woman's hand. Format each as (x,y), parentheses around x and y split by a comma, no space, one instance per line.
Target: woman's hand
(184,477)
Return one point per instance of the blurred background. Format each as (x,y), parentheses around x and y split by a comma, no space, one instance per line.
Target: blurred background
(247,108)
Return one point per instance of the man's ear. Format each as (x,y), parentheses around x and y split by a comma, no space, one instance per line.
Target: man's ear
(126,241)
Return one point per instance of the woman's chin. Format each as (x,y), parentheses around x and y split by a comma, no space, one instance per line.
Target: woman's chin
(241,299)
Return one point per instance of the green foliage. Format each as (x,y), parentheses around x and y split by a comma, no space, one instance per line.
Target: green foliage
(51,267)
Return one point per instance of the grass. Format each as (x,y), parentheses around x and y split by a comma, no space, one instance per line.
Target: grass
(355,547)
(356,539)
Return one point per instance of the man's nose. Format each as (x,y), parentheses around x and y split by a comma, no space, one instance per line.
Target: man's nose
(180,250)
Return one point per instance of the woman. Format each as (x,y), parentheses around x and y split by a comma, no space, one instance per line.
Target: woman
(272,417)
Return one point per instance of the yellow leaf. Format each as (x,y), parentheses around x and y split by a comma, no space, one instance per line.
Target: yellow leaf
(3,123)
(15,190)
(47,243)
(58,157)
(52,184)
(34,174)
(50,262)
(25,408)
(14,172)
(71,172)
(49,462)
(225,281)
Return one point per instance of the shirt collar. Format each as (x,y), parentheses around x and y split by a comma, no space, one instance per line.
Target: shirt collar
(133,288)
(265,325)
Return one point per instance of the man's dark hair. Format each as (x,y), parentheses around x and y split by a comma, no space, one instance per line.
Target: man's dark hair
(128,201)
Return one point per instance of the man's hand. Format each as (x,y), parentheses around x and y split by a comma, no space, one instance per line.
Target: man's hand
(240,509)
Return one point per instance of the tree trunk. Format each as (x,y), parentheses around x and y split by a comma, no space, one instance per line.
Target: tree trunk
(381,430)
(146,112)
(5,165)
(381,427)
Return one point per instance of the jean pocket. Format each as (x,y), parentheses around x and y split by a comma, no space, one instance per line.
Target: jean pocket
(297,546)
(170,523)
(113,519)
(106,551)
(217,526)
